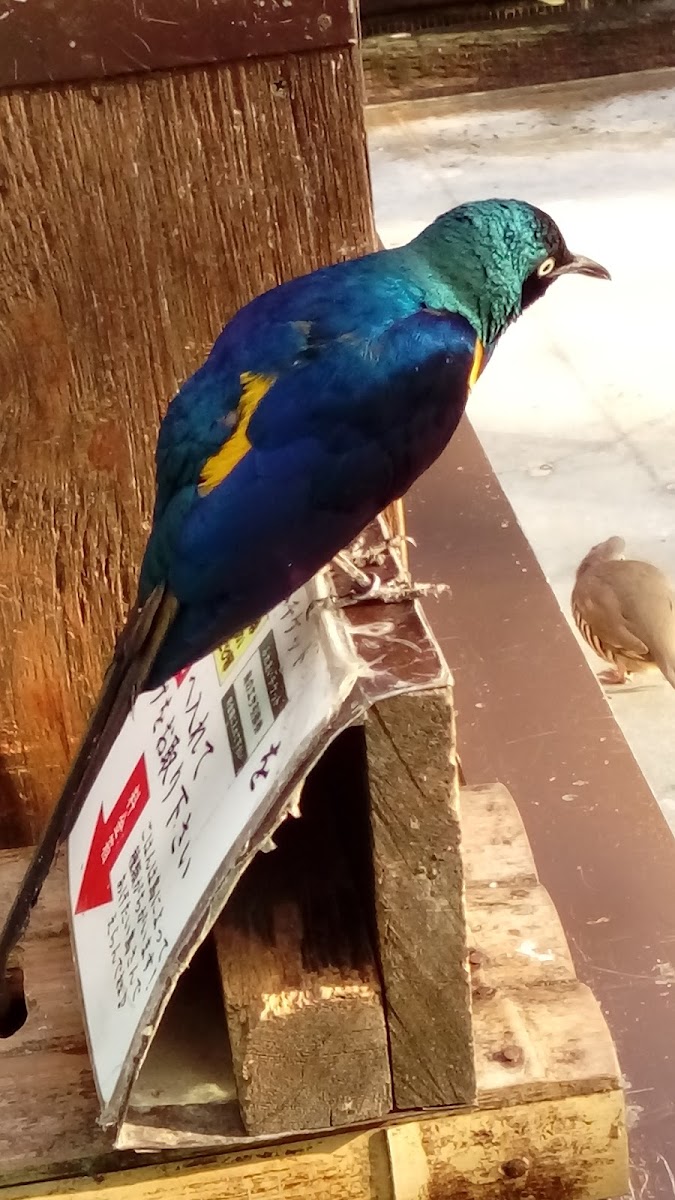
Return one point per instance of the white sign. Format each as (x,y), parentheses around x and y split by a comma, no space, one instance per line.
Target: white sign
(196,767)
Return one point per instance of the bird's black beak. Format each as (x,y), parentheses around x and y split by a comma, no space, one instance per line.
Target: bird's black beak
(578,265)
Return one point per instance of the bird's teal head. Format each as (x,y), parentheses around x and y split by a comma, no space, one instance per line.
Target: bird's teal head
(490,259)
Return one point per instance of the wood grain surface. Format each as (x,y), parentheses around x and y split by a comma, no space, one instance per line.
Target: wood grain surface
(135,217)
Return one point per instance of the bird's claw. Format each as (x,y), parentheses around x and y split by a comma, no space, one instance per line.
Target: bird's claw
(362,581)
(363,556)
(614,677)
(394,592)
(364,588)
(400,589)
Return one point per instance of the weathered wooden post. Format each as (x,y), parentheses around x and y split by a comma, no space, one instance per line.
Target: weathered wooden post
(159,165)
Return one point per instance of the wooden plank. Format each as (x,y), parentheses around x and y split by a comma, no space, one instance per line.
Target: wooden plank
(54,41)
(54,1017)
(59,1134)
(535,1025)
(136,216)
(302,994)
(50,917)
(494,842)
(492,47)
(515,935)
(573,1147)
(419,898)
(549,1040)
(394,515)
(48,1102)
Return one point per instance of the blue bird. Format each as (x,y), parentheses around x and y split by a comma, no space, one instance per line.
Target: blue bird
(320,403)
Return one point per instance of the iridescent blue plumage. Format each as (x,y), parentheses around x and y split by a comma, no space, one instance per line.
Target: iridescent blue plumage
(350,421)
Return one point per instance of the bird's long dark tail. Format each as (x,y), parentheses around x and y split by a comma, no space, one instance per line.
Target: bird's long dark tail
(135,653)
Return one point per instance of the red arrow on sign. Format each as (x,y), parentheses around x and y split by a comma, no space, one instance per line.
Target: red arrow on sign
(110,836)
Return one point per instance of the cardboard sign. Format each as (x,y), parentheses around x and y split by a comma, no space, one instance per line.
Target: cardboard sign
(179,809)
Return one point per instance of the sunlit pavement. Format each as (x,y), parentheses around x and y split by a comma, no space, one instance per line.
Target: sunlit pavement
(577,408)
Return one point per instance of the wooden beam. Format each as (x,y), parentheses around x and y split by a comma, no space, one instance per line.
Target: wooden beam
(55,41)
(419,898)
(394,515)
(136,216)
(570,1147)
(535,1025)
(47,1057)
(302,994)
(495,846)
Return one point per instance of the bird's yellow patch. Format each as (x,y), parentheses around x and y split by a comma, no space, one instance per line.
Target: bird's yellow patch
(477,363)
(219,466)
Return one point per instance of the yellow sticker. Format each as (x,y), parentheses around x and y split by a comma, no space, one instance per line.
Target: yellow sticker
(226,654)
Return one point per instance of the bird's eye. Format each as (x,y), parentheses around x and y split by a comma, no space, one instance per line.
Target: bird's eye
(545,268)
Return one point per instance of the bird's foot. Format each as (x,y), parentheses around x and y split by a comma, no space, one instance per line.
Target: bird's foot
(614,676)
(362,555)
(401,589)
(363,582)
(376,592)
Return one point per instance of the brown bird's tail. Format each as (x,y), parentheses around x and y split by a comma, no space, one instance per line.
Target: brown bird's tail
(135,653)
(666,664)
(649,604)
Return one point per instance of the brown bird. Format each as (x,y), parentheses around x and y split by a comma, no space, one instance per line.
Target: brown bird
(625,610)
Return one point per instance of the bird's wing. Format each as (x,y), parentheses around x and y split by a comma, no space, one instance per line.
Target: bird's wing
(629,605)
(278,330)
(336,438)
(284,372)
(600,605)
(342,306)
(648,608)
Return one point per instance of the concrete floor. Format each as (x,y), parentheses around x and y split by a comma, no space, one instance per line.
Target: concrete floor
(577,408)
